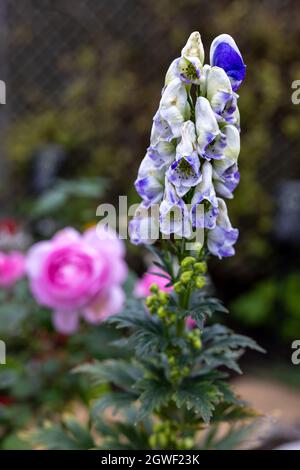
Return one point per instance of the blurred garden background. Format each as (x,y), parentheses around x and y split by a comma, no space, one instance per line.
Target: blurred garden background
(82,83)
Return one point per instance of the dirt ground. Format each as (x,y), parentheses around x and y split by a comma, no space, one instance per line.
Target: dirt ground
(275,400)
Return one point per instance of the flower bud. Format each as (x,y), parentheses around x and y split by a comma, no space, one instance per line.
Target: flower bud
(161,312)
(187,262)
(200,282)
(163,297)
(200,267)
(177,287)
(154,288)
(186,277)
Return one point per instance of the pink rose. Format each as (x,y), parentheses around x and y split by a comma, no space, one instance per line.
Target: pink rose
(12,268)
(142,286)
(76,275)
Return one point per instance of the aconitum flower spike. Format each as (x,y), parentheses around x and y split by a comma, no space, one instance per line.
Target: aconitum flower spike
(192,160)
(224,53)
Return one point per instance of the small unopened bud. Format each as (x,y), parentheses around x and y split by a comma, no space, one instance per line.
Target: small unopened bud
(186,277)
(163,297)
(187,262)
(200,282)
(197,343)
(161,312)
(154,288)
(200,267)
(177,287)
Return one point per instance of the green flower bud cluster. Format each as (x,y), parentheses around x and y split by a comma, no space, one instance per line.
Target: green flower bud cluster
(191,275)
(176,372)
(165,436)
(157,304)
(194,336)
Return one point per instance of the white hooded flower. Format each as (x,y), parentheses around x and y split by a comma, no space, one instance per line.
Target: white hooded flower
(184,172)
(174,214)
(220,94)
(221,239)
(144,227)
(225,171)
(174,108)
(205,194)
(206,124)
(150,182)
(188,67)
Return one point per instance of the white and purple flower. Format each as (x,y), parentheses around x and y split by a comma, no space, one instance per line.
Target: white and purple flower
(205,196)
(174,214)
(174,108)
(150,182)
(188,67)
(184,172)
(144,227)
(225,171)
(222,98)
(207,127)
(220,240)
(225,54)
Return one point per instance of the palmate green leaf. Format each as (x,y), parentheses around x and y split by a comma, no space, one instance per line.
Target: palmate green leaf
(148,335)
(201,308)
(235,436)
(115,400)
(154,393)
(219,338)
(120,373)
(202,397)
(119,435)
(231,412)
(214,360)
(207,304)
(67,436)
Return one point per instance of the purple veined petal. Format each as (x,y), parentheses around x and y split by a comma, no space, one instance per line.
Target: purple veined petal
(207,127)
(174,108)
(162,153)
(225,54)
(184,174)
(222,98)
(144,227)
(174,215)
(150,182)
(204,199)
(160,129)
(221,239)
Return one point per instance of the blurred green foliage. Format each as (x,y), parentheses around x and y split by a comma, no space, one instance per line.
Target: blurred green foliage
(273,304)
(37,383)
